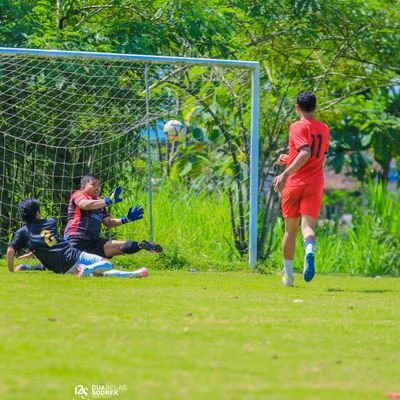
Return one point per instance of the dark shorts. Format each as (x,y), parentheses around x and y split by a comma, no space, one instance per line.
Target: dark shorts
(92,246)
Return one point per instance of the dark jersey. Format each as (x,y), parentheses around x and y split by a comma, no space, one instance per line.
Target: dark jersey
(42,238)
(83,224)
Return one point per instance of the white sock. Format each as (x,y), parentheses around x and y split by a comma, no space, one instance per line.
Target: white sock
(309,246)
(118,274)
(288,267)
(123,274)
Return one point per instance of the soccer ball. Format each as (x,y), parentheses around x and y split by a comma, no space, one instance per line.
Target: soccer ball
(174,130)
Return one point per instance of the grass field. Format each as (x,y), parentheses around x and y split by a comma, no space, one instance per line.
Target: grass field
(204,335)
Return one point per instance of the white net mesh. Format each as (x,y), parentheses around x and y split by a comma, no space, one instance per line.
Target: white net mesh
(62,117)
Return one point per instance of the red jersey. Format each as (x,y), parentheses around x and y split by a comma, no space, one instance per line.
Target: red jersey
(315,135)
(83,224)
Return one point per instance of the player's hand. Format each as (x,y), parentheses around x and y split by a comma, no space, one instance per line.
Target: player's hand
(283,159)
(27,255)
(114,197)
(135,213)
(280,182)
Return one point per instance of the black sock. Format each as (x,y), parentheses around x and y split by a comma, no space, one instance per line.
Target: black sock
(130,247)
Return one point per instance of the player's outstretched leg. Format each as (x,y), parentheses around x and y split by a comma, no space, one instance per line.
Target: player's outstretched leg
(153,247)
(98,268)
(115,247)
(139,273)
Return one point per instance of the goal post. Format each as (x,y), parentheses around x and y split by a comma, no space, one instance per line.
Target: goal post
(64,113)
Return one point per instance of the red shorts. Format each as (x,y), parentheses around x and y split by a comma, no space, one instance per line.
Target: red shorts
(301,200)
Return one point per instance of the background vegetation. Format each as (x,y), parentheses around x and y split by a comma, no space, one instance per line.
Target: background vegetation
(369,245)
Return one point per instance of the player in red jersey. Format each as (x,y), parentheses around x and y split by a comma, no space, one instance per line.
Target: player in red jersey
(302,184)
(87,212)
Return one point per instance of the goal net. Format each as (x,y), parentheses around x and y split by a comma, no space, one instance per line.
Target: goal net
(63,115)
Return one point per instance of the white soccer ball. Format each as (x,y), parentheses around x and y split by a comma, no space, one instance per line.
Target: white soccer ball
(174,130)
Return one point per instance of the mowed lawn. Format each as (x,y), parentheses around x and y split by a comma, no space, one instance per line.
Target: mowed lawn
(203,335)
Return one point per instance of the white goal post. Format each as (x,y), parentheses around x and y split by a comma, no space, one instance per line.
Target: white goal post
(178,63)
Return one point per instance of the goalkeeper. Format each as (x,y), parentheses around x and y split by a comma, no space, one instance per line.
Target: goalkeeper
(87,212)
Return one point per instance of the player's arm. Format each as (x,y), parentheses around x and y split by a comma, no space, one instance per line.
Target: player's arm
(299,161)
(10,259)
(282,159)
(18,242)
(90,205)
(112,222)
(27,256)
(134,214)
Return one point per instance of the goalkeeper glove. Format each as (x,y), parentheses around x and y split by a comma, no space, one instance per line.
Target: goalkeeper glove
(133,215)
(114,197)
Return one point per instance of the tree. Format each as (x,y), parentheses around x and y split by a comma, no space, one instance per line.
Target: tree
(17,23)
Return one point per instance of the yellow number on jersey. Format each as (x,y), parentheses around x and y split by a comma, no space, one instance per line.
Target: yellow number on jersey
(48,237)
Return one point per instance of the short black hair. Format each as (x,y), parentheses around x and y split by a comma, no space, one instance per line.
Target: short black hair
(28,209)
(307,101)
(87,178)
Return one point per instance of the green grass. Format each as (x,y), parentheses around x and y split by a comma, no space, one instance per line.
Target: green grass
(207,335)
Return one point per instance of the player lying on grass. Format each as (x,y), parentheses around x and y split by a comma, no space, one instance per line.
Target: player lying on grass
(56,254)
(87,211)
(302,184)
